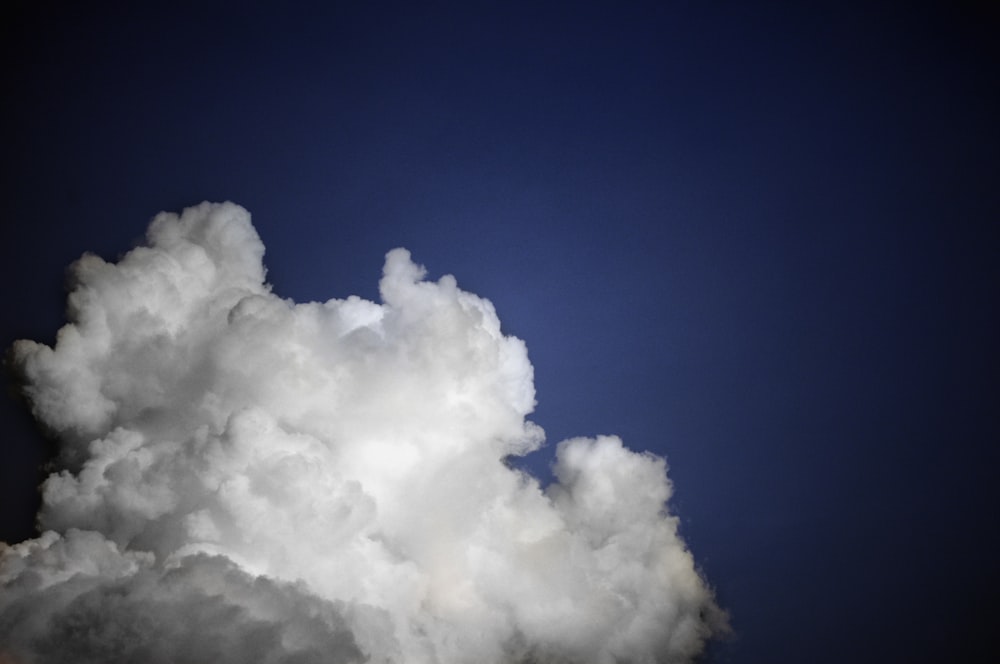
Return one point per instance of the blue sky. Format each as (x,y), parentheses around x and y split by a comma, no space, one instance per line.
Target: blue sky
(759,240)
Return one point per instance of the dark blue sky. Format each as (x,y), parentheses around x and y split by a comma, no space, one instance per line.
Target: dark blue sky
(759,240)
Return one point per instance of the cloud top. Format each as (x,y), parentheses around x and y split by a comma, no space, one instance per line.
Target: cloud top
(245,478)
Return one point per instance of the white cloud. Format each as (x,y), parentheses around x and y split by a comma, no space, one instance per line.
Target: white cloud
(251,479)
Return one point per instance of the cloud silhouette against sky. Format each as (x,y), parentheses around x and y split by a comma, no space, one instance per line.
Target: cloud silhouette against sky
(245,478)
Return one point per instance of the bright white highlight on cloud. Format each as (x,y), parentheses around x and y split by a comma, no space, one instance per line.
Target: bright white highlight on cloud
(248,479)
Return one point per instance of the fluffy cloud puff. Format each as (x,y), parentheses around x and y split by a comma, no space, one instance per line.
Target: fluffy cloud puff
(250,479)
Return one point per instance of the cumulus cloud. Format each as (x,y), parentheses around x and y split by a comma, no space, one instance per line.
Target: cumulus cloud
(245,478)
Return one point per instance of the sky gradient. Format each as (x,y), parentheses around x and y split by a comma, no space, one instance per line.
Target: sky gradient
(758,241)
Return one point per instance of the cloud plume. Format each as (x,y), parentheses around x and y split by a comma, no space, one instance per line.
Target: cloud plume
(244,478)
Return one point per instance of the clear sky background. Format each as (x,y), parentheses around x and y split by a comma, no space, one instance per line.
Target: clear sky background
(759,239)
